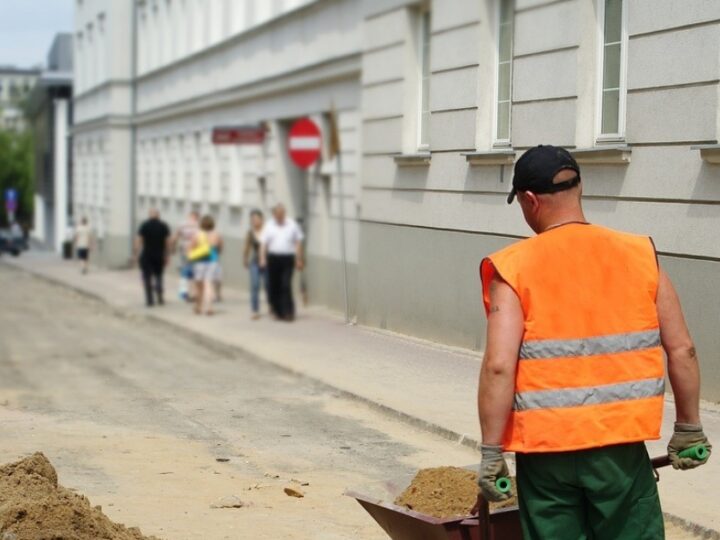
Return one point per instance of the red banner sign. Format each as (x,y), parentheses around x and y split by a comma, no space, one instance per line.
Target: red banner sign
(254,134)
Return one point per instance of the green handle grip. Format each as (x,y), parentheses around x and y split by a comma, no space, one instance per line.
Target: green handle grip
(503,484)
(698,453)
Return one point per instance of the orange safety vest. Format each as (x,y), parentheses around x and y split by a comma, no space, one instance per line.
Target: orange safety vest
(590,371)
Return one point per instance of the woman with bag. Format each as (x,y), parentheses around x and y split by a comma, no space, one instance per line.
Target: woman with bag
(251,258)
(205,255)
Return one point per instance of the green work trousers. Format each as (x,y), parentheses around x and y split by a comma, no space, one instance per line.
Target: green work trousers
(607,493)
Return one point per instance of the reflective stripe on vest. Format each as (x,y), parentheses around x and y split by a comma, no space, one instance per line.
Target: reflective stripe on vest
(576,397)
(615,343)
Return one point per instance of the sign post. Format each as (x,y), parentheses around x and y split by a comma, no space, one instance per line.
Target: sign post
(304,146)
(11,199)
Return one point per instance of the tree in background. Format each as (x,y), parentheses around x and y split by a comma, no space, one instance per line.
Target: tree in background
(16,171)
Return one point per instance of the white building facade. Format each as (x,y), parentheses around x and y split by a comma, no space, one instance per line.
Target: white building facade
(201,64)
(630,86)
(238,64)
(436,100)
(102,131)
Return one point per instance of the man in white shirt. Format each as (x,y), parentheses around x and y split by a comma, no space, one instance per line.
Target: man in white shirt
(281,251)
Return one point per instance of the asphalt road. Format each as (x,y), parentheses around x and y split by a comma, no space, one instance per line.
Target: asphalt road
(136,415)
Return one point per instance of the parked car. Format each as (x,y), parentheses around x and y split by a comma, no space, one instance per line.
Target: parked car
(11,243)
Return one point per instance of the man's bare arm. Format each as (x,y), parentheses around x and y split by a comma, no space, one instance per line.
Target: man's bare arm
(497,375)
(137,246)
(263,255)
(682,358)
(246,250)
(299,255)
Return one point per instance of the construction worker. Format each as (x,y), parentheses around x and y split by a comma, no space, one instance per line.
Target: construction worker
(573,375)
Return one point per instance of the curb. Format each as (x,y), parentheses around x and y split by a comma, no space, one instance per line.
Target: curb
(219,346)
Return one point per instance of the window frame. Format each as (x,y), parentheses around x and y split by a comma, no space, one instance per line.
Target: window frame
(423,28)
(619,136)
(497,142)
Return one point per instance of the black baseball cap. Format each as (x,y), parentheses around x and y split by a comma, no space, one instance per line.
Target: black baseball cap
(537,167)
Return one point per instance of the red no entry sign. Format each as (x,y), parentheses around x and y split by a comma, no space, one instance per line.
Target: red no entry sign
(304,143)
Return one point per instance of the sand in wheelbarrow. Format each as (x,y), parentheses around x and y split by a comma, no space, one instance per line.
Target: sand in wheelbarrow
(445,492)
(34,507)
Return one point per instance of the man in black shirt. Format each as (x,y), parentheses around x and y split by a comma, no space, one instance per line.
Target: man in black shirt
(153,246)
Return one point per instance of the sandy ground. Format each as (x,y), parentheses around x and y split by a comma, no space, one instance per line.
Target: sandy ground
(135,416)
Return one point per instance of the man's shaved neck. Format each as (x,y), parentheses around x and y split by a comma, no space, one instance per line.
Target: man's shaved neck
(561,207)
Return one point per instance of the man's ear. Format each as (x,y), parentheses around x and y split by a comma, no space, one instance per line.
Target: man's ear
(532,199)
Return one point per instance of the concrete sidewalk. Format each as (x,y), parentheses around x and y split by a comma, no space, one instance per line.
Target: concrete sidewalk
(429,385)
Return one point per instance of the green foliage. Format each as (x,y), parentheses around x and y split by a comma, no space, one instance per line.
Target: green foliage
(16,171)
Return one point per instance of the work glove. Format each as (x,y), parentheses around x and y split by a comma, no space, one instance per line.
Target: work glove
(492,467)
(686,436)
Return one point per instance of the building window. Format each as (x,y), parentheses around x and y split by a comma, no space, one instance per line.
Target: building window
(423,32)
(612,99)
(503,91)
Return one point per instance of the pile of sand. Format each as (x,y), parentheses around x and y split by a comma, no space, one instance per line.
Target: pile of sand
(441,492)
(445,492)
(34,507)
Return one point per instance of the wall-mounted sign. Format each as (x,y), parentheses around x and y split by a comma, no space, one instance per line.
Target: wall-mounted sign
(248,134)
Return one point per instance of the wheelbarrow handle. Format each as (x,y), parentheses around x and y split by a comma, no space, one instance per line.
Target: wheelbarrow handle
(698,452)
(660,461)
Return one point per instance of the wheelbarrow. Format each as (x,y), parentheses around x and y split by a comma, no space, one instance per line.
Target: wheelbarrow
(404,524)
(401,523)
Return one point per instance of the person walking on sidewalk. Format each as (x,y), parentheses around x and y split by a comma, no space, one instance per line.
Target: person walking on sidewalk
(251,258)
(573,378)
(205,253)
(152,244)
(82,238)
(281,251)
(217,278)
(183,238)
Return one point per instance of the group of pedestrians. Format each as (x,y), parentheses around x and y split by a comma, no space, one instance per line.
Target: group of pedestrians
(273,250)
(199,246)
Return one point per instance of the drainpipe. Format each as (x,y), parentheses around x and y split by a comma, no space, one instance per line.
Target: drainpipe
(133,129)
